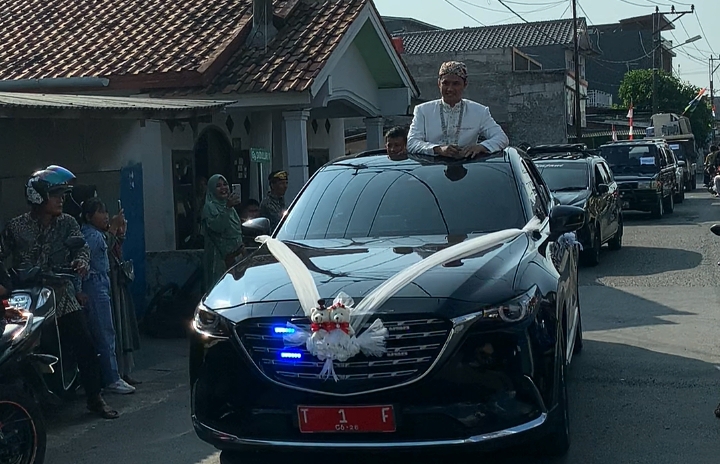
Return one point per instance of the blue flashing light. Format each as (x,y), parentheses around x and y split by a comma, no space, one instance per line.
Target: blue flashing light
(283,330)
(290,355)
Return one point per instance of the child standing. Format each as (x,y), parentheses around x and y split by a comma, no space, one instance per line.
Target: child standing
(96,288)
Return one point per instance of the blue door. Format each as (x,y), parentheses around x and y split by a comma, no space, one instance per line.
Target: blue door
(131,195)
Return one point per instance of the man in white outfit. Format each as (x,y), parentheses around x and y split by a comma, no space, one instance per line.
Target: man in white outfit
(452,125)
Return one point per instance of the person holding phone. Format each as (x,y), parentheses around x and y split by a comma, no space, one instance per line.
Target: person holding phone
(220,225)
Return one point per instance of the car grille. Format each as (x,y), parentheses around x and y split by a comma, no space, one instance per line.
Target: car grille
(413,344)
(628,186)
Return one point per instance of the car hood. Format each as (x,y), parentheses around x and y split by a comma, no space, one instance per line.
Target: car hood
(572,198)
(358,267)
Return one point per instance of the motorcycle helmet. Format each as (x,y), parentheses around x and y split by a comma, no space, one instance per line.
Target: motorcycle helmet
(46,181)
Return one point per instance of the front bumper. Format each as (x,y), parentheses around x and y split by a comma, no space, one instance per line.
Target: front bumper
(488,390)
(639,199)
(499,438)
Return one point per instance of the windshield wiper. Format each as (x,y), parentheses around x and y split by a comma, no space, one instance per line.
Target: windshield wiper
(569,189)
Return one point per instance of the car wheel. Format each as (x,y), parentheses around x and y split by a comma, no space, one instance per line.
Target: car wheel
(591,257)
(680,197)
(670,203)
(577,349)
(557,441)
(659,209)
(615,243)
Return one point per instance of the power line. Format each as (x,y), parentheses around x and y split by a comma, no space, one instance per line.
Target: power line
(552,39)
(702,30)
(463,12)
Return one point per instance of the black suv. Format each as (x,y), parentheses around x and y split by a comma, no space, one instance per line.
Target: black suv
(580,177)
(477,346)
(647,174)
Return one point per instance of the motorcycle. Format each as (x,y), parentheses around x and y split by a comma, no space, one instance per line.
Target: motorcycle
(22,425)
(34,292)
(33,367)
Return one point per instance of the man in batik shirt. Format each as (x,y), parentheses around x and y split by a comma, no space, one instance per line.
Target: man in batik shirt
(451,126)
(39,238)
(273,205)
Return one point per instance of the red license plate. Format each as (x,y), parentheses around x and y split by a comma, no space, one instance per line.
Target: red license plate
(331,419)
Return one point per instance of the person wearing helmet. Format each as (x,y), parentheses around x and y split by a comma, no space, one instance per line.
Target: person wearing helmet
(40,238)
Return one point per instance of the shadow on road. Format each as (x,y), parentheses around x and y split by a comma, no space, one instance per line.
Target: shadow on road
(693,210)
(633,261)
(608,308)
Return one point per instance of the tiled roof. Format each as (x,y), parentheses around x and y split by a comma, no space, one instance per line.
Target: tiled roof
(145,44)
(74,38)
(95,102)
(501,36)
(296,55)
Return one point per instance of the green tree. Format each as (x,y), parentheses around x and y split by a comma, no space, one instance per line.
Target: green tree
(673,96)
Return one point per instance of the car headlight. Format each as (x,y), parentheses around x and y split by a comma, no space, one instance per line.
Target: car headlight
(517,309)
(19,321)
(648,185)
(21,301)
(210,324)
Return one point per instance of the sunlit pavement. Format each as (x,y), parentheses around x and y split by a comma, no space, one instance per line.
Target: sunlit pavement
(643,390)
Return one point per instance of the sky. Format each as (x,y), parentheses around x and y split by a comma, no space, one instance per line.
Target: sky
(691,63)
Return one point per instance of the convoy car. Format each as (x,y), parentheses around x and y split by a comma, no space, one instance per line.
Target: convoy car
(647,173)
(477,350)
(580,177)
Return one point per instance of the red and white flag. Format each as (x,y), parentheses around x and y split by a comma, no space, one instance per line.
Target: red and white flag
(630,117)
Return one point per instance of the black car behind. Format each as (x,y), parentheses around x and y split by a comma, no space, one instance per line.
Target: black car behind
(579,177)
(478,347)
(647,173)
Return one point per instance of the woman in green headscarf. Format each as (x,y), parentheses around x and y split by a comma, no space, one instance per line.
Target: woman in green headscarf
(221,229)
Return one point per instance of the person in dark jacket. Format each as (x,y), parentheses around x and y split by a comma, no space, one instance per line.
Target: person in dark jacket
(38,238)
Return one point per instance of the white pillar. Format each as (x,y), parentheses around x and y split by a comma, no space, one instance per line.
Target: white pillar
(295,145)
(158,187)
(337,138)
(374,130)
(261,136)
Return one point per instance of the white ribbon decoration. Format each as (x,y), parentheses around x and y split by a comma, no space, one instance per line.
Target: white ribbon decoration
(337,345)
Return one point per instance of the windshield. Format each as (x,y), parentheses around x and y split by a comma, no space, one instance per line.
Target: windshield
(348,202)
(560,176)
(632,158)
(684,150)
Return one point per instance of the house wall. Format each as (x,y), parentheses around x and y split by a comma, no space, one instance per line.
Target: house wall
(623,48)
(94,150)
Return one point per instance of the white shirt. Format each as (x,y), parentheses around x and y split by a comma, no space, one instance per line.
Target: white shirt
(426,130)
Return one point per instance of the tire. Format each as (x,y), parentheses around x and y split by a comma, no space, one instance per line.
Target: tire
(615,243)
(591,257)
(680,196)
(577,349)
(27,425)
(557,441)
(670,204)
(659,209)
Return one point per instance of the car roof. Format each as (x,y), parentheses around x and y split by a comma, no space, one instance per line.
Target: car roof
(380,159)
(634,143)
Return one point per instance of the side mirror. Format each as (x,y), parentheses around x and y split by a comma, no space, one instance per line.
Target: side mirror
(564,219)
(603,188)
(715,229)
(75,243)
(256,227)
(682,163)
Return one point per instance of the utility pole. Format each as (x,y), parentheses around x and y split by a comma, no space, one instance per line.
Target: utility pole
(712,94)
(657,43)
(576,59)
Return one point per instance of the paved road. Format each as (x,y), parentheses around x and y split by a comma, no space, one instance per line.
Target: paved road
(643,390)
